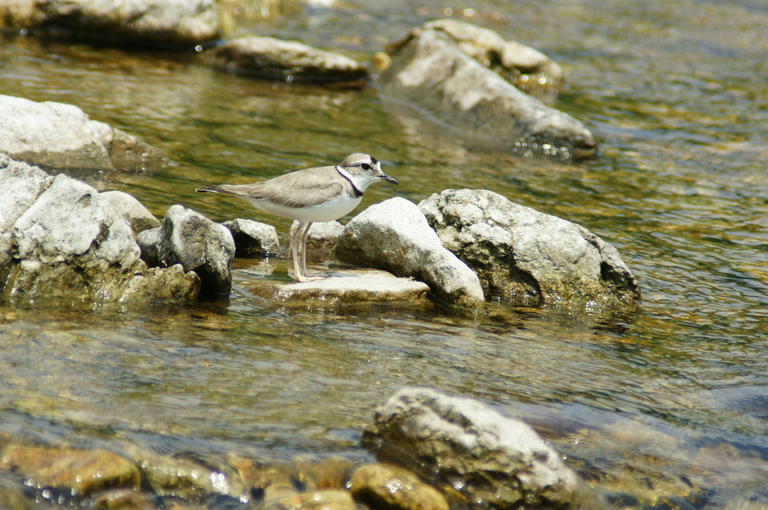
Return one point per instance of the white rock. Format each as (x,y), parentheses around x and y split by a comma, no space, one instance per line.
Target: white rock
(62,136)
(132,211)
(253,238)
(527,257)
(188,238)
(431,70)
(492,460)
(394,235)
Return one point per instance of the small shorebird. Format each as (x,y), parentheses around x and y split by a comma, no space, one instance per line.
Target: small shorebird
(311,195)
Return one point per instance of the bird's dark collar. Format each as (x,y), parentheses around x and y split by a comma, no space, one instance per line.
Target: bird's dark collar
(355,190)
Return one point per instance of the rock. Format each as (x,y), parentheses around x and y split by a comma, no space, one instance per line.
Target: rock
(79,472)
(132,211)
(527,257)
(161,285)
(430,70)
(491,460)
(59,238)
(346,286)
(11,496)
(188,238)
(394,235)
(322,240)
(148,22)
(123,499)
(318,500)
(386,486)
(327,473)
(22,184)
(174,476)
(62,136)
(525,67)
(290,61)
(253,239)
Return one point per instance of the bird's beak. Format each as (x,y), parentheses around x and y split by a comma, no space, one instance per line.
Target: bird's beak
(389,179)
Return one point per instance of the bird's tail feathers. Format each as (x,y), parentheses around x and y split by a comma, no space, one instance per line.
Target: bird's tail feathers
(222,188)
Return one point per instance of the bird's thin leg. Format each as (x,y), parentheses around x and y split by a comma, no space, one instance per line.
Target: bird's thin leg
(303,255)
(295,238)
(303,244)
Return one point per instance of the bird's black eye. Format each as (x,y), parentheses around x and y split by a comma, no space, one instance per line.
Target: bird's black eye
(366,166)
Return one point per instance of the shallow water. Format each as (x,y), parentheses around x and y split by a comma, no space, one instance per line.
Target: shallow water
(665,405)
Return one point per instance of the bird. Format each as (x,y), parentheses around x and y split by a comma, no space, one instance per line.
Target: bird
(318,194)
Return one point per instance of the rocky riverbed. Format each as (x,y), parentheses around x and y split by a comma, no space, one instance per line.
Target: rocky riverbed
(560,307)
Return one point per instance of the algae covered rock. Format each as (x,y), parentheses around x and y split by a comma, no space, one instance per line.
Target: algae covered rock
(59,238)
(291,61)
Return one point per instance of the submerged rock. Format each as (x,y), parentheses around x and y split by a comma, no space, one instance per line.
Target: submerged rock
(148,22)
(78,473)
(527,257)
(317,500)
(430,69)
(524,67)
(345,286)
(62,136)
(291,61)
(252,238)
(185,478)
(60,239)
(188,238)
(459,443)
(387,486)
(394,235)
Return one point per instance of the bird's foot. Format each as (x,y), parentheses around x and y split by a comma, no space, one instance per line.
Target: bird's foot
(305,278)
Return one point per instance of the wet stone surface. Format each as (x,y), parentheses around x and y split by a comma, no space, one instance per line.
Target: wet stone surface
(344,286)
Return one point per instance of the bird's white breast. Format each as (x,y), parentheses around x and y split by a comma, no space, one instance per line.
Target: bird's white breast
(327,211)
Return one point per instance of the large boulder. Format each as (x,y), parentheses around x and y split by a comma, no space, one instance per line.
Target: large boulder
(462,445)
(60,239)
(148,22)
(527,257)
(188,238)
(290,61)
(430,70)
(394,235)
(61,136)
(524,67)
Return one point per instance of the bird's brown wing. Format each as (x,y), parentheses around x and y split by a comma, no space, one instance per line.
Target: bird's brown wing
(311,186)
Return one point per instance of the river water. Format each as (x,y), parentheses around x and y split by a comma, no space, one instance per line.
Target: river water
(666,407)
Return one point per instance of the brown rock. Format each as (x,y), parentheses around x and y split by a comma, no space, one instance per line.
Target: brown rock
(83,472)
(329,473)
(290,61)
(387,486)
(319,500)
